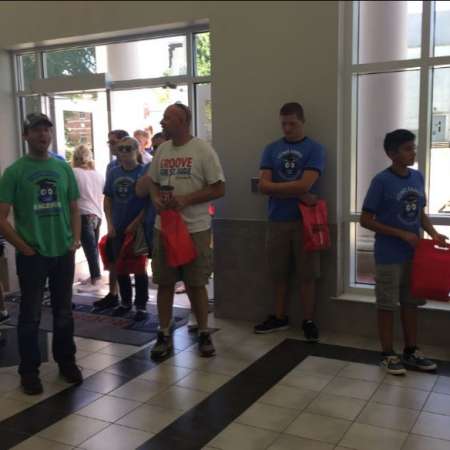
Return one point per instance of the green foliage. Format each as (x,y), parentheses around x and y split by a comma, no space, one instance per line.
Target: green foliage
(74,61)
(203,54)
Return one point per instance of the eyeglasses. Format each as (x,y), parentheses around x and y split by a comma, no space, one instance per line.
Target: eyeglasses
(125,148)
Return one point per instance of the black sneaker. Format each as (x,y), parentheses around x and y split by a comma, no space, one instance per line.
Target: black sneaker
(416,358)
(140,315)
(110,301)
(121,310)
(205,345)
(31,384)
(310,331)
(71,373)
(272,324)
(163,346)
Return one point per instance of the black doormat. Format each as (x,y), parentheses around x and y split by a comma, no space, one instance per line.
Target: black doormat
(102,325)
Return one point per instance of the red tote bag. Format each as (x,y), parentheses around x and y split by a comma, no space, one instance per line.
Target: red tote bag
(316,233)
(180,249)
(128,262)
(430,276)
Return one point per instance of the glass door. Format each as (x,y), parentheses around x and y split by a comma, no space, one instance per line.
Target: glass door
(80,118)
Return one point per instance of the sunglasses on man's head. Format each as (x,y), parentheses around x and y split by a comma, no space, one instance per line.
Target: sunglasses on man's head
(125,148)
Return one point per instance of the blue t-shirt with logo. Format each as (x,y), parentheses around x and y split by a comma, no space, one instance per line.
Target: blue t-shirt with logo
(120,187)
(287,161)
(396,201)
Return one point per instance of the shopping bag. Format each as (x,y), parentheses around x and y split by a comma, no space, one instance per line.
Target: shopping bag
(178,244)
(106,254)
(128,262)
(316,233)
(140,245)
(430,274)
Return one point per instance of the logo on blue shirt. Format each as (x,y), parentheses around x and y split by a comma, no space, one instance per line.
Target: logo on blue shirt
(290,164)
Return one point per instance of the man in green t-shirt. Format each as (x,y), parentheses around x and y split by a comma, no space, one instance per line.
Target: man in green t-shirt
(43,194)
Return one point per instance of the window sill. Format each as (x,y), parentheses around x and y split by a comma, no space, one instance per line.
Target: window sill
(370,299)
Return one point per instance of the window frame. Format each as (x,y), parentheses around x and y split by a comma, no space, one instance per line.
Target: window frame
(190,78)
(350,69)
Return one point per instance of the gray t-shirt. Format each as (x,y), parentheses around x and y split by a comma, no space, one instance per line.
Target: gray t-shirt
(188,168)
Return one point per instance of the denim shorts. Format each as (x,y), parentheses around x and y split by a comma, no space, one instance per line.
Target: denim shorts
(393,286)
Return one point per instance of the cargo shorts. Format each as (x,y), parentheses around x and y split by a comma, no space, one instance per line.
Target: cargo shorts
(195,274)
(286,254)
(393,286)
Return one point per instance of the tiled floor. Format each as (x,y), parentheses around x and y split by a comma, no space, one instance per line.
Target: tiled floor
(321,404)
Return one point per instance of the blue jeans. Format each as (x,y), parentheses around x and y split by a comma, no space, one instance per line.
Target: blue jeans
(90,229)
(33,272)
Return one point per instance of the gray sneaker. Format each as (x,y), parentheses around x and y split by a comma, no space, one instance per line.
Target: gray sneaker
(163,346)
(417,359)
(393,365)
(205,345)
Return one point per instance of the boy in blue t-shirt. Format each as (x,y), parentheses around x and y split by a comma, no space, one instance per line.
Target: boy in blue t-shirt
(394,210)
(290,168)
(124,212)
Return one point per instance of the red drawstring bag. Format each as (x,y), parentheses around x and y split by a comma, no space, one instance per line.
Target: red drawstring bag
(316,234)
(105,253)
(430,275)
(128,262)
(180,249)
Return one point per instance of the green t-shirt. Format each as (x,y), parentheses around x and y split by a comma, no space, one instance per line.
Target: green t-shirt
(40,192)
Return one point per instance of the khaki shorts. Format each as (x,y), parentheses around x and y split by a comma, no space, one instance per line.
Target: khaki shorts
(194,274)
(393,286)
(285,252)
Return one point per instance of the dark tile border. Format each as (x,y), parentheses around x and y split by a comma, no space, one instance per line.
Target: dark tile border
(194,429)
(25,424)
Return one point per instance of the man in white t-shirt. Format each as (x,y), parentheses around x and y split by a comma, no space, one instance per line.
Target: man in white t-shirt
(193,168)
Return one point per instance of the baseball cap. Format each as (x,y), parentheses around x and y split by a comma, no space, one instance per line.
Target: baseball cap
(34,119)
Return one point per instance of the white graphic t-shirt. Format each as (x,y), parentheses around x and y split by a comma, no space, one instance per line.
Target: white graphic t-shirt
(188,168)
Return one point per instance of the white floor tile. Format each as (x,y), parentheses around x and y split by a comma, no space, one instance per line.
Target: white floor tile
(268,417)
(108,408)
(243,437)
(177,397)
(438,404)
(288,442)
(433,425)
(442,385)
(398,396)
(150,418)
(363,372)
(336,406)
(165,374)
(387,416)
(49,391)
(306,380)
(37,443)
(9,407)
(351,388)
(288,397)
(425,443)
(368,437)
(319,428)
(73,430)
(116,437)
(414,380)
(203,381)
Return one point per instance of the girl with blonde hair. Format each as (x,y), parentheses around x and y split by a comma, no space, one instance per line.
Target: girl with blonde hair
(90,184)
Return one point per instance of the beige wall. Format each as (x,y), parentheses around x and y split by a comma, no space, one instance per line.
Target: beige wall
(264,53)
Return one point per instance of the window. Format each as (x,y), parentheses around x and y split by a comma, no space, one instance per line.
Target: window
(397,76)
(146,75)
